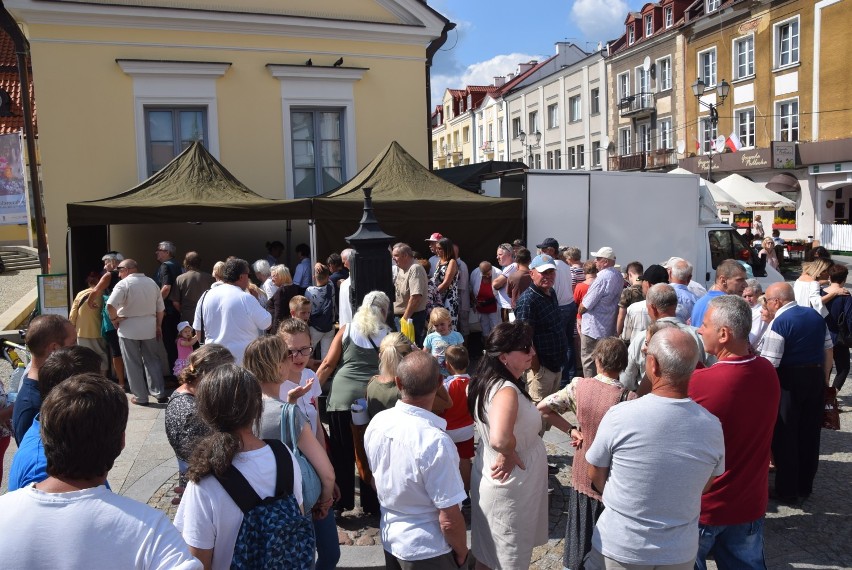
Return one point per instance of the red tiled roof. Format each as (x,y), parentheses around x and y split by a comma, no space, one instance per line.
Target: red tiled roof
(11,84)
(518,78)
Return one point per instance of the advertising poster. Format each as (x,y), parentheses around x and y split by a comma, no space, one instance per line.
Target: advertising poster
(13,187)
(53,294)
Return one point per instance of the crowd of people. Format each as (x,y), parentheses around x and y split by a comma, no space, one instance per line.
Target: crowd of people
(682,400)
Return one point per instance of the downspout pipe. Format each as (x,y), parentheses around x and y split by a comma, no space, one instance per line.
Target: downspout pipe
(22,52)
(433,48)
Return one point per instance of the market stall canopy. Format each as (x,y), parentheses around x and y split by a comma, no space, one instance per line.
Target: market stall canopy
(411,203)
(193,187)
(469,176)
(720,197)
(752,195)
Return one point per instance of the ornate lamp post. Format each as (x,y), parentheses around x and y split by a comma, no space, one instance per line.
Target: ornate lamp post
(722,90)
(529,147)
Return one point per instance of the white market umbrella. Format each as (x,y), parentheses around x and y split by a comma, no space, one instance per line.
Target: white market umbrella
(723,200)
(753,196)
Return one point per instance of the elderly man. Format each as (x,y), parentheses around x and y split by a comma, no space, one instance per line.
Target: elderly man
(464,294)
(432,241)
(412,290)
(539,306)
(345,299)
(78,521)
(500,281)
(742,390)
(730,280)
(653,457)
(798,344)
(136,311)
(680,274)
(189,286)
(230,316)
(165,278)
(45,334)
(660,305)
(564,288)
(416,472)
(637,317)
(599,307)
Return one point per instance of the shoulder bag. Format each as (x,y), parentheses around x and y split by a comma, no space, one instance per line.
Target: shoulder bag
(311,484)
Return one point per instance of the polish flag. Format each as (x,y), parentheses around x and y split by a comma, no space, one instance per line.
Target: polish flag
(697,145)
(733,142)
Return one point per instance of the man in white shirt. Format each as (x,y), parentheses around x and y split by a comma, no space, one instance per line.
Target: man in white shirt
(344,300)
(71,520)
(136,310)
(505,257)
(230,316)
(416,472)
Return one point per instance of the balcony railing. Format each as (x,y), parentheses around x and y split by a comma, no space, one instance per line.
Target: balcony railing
(487,147)
(651,160)
(637,105)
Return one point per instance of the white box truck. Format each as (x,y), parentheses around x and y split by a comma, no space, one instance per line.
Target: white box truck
(647,217)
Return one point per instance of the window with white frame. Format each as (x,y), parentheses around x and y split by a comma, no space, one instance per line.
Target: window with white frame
(466,134)
(664,128)
(574,109)
(664,74)
(572,158)
(624,141)
(669,16)
(708,135)
(169,130)
(643,81)
(479,133)
(318,150)
(581,156)
(745,126)
(707,67)
(643,138)
(787,42)
(631,34)
(787,114)
(744,57)
(553,116)
(516,127)
(550,163)
(649,26)
(595,101)
(536,161)
(490,132)
(623,85)
(713,5)
(596,153)
(533,122)
(557,158)
(500,129)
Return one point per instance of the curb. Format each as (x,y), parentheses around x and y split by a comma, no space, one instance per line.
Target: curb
(15,314)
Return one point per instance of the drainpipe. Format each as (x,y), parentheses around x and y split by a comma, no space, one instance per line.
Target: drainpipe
(22,49)
(433,48)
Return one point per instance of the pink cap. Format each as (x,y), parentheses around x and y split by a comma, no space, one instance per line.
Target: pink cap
(435,237)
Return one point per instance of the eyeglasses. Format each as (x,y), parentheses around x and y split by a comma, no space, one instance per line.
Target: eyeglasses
(526,348)
(767,299)
(120,267)
(163,250)
(306,351)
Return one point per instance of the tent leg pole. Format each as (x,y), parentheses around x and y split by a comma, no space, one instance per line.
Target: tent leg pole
(288,241)
(312,236)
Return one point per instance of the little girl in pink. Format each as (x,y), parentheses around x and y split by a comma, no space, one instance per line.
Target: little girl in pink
(187,338)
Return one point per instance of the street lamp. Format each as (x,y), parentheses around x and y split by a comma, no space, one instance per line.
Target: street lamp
(529,147)
(722,90)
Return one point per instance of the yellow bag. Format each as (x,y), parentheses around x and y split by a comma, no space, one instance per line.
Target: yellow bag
(407,326)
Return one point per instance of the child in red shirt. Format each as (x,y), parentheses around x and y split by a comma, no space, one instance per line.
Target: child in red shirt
(459,420)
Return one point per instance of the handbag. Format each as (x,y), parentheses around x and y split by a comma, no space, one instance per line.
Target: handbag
(831,411)
(844,335)
(311,484)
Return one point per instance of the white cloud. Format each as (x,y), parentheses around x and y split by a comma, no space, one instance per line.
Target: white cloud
(600,19)
(481,73)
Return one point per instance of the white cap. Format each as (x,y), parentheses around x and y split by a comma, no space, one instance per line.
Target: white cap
(605,252)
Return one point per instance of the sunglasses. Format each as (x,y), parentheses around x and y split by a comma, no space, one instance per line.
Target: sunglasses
(526,349)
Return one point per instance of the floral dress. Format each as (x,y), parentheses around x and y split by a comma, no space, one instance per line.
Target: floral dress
(450,297)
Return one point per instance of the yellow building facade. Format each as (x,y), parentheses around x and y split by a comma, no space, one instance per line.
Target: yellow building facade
(293,98)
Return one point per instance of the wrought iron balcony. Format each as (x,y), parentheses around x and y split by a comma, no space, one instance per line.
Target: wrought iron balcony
(638,105)
(651,160)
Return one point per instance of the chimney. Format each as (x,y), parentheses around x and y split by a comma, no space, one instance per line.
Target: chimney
(562,47)
(509,77)
(524,67)
(499,81)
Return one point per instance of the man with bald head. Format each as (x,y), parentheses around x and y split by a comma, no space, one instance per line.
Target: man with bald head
(742,390)
(653,457)
(680,274)
(799,346)
(730,280)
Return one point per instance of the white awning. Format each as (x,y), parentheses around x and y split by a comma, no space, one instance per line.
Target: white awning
(752,195)
(723,200)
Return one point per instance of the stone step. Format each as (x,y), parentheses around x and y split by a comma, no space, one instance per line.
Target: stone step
(16,258)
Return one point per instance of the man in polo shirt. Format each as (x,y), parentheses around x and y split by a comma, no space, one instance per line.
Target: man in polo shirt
(730,280)
(742,390)
(412,288)
(538,306)
(638,317)
(564,289)
(680,274)
(416,473)
(799,346)
(136,310)
(166,279)
(500,282)
(599,307)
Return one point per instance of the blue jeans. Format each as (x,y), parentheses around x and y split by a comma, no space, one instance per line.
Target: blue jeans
(569,321)
(738,547)
(328,548)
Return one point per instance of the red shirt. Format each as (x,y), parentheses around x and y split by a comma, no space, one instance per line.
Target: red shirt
(458,415)
(743,392)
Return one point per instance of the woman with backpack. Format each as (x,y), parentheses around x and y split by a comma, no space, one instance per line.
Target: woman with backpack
(243,503)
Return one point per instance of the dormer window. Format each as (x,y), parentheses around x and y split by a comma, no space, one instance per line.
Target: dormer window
(669,16)
(649,26)
(631,34)
(713,5)
(469,101)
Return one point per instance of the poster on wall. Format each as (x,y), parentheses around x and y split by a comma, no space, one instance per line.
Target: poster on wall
(13,186)
(53,294)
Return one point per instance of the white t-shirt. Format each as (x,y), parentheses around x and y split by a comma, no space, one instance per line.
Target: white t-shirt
(308,402)
(208,517)
(344,304)
(232,318)
(503,293)
(661,452)
(563,286)
(92,528)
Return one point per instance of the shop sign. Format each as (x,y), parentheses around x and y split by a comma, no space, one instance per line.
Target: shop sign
(783,154)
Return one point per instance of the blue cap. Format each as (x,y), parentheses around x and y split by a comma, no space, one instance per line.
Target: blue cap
(542,263)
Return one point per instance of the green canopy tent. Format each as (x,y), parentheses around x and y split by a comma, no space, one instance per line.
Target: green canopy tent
(411,203)
(193,187)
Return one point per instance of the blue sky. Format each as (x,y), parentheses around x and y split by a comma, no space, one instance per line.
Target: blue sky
(493,36)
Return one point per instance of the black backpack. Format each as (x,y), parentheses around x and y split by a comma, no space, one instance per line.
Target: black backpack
(322,316)
(274,532)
